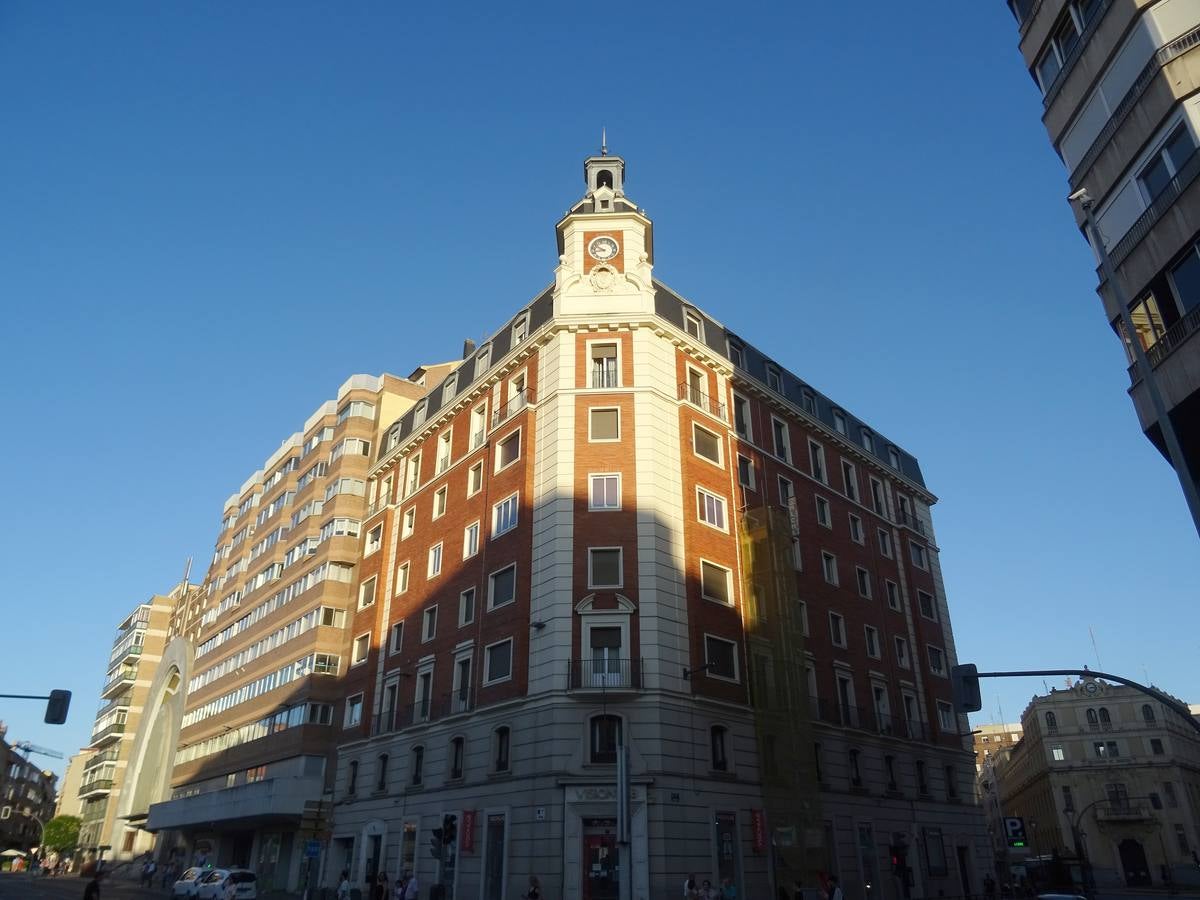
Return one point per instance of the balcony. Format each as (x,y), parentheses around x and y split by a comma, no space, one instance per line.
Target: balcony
(604,676)
(1123,812)
(696,397)
(96,788)
(1156,210)
(605,378)
(108,735)
(864,719)
(910,521)
(121,701)
(274,799)
(99,759)
(121,654)
(119,683)
(519,401)
(430,709)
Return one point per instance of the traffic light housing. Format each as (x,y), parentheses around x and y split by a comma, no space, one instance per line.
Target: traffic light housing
(57,705)
(964,682)
(899,854)
(449,829)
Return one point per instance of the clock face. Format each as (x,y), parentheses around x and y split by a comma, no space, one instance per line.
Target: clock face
(603,248)
(1091,687)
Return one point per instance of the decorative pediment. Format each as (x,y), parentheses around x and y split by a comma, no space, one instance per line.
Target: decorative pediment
(588,605)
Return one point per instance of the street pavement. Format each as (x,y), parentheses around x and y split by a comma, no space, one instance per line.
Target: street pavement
(22,886)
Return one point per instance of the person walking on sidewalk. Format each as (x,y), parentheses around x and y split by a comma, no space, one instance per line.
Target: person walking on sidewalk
(92,891)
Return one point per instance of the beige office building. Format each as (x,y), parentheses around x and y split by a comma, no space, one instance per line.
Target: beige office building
(69,801)
(1120,767)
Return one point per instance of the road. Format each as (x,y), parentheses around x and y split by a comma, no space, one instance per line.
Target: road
(21,886)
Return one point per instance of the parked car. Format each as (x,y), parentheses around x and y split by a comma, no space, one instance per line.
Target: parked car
(215,885)
(188,884)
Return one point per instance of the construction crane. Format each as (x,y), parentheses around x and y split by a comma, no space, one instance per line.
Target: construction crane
(34,748)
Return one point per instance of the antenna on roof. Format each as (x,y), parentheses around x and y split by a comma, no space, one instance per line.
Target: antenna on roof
(603,141)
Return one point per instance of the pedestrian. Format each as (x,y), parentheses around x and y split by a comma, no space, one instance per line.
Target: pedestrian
(92,891)
(411,890)
(835,889)
(728,890)
(398,886)
(343,889)
(707,891)
(534,891)
(691,890)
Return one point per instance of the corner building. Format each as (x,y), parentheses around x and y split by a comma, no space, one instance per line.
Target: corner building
(617,523)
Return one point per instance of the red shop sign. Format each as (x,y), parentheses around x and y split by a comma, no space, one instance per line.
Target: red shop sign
(758,823)
(466,840)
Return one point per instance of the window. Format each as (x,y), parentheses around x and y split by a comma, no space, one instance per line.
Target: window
(435,560)
(877,495)
(808,402)
(457,751)
(478,425)
(721,657)
(1166,163)
(410,523)
(785,491)
(508,451)
(856,530)
(693,325)
(893,595)
(381,768)
(855,769)
(803,617)
(520,329)
(816,460)
(871,636)
(710,509)
(605,493)
(396,640)
(362,647)
(402,578)
(741,418)
(937,661)
(850,480)
(502,586)
(902,653)
(1155,800)
(1156,746)
(504,516)
(1101,749)
(352,777)
(745,472)
(428,624)
(839,421)
(354,707)
(864,581)
(466,607)
(417,766)
(919,557)
(736,355)
(823,515)
(501,739)
(605,738)
(706,444)
(1169,794)
(475,479)
(1092,720)
(718,755)
(605,373)
(782,443)
(374,540)
(951,783)
(1068,799)
(439,502)
(829,567)
(470,540)
(1058,753)
(945,716)
(868,440)
(1051,722)
(1147,713)
(498,662)
(925,601)
(1105,719)
(837,630)
(1181,839)
(604,424)
(714,582)
(356,408)
(604,567)
(366,592)
(774,379)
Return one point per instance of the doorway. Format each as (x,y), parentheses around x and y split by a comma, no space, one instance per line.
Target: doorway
(601,865)
(964,869)
(1133,861)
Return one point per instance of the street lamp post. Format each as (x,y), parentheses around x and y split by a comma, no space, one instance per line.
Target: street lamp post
(1085,862)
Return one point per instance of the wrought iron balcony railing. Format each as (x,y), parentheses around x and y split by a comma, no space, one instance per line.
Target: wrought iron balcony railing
(696,397)
(519,401)
(601,674)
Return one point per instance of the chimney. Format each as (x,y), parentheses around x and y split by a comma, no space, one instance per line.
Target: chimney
(468,348)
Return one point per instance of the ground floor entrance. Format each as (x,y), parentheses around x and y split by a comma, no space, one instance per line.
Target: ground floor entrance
(601,859)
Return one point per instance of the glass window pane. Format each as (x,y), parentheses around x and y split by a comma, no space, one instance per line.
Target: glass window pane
(1186,276)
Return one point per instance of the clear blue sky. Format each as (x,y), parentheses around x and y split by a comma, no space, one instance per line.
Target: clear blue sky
(196,197)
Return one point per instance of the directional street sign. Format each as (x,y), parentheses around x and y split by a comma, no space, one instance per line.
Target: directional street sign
(1015,828)
(312,849)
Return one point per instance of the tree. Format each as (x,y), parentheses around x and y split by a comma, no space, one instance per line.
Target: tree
(62,833)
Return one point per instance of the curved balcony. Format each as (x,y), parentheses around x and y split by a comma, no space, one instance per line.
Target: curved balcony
(106,736)
(97,788)
(604,676)
(119,683)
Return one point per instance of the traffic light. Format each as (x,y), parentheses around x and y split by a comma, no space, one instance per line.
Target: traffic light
(964,681)
(56,707)
(449,829)
(899,854)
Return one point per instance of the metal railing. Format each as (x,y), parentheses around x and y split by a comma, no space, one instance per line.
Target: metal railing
(866,719)
(430,709)
(1165,200)
(95,787)
(98,759)
(443,463)
(1173,337)
(1073,57)
(604,674)
(910,520)
(605,378)
(129,675)
(477,439)
(1122,810)
(696,397)
(519,401)
(105,733)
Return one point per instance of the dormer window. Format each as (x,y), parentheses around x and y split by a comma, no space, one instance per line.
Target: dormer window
(483,360)
(520,330)
(693,324)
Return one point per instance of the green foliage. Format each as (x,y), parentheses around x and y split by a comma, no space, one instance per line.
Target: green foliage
(62,833)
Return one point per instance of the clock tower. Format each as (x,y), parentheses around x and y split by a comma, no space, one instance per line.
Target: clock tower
(605,247)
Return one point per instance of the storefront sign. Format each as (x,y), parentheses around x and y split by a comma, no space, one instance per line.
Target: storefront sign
(758,825)
(466,838)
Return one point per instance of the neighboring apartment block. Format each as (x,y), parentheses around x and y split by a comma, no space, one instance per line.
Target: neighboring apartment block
(992,739)
(617,526)
(27,797)
(260,652)
(133,662)
(69,802)
(1119,81)
(1120,767)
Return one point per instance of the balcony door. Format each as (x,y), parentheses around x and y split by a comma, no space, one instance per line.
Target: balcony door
(606,659)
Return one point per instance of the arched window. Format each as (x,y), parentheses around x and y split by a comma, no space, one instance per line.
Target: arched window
(418,765)
(457,751)
(352,777)
(855,771)
(1105,718)
(381,780)
(719,758)
(605,737)
(1148,713)
(501,738)
(1091,717)
(604,178)
(1051,721)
